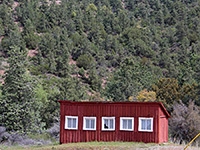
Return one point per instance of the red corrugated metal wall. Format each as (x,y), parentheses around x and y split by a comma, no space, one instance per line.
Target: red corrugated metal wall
(116,110)
(163,128)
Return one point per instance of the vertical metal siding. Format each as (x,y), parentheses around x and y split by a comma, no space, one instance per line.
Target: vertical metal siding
(100,110)
(62,123)
(163,127)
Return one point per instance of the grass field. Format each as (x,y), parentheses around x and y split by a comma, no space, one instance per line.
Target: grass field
(101,146)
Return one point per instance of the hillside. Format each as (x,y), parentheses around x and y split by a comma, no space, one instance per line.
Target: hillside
(108,50)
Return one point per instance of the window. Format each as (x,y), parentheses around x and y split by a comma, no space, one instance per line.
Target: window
(89,123)
(71,122)
(145,124)
(108,123)
(127,123)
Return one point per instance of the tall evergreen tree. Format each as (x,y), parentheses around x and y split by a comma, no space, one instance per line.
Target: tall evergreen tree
(129,80)
(15,104)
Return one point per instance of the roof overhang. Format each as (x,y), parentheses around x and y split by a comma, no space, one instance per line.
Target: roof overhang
(118,102)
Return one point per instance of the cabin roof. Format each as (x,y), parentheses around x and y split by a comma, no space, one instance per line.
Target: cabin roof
(118,102)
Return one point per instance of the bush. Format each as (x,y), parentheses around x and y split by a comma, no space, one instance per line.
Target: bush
(145,96)
(16,138)
(31,40)
(4,136)
(85,61)
(54,131)
(184,124)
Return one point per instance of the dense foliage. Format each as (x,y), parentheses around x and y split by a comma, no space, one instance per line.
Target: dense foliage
(95,50)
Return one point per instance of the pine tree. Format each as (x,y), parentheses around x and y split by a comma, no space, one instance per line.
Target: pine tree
(129,80)
(16,102)
(94,80)
(30,36)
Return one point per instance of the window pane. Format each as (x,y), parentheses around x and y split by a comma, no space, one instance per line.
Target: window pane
(69,122)
(143,124)
(74,123)
(106,123)
(148,124)
(124,124)
(92,123)
(111,124)
(130,126)
(87,121)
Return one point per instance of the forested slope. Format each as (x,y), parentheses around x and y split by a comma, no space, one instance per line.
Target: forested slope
(114,50)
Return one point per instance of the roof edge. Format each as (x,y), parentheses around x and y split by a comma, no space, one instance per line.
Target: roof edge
(163,107)
(118,102)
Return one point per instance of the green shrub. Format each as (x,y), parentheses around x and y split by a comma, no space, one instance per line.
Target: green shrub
(85,61)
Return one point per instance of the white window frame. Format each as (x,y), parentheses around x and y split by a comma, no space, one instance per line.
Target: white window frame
(103,119)
(84,123)
(140,124)
(66,122)
(126,118)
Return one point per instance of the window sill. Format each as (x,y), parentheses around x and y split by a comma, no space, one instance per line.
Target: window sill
(71,129)
(126,130)
(107,129)
(89,129)
(145,131)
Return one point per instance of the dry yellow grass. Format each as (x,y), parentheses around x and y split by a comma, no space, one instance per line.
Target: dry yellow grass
(102,146)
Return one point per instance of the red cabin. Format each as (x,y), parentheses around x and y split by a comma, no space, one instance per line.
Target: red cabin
(113,121)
